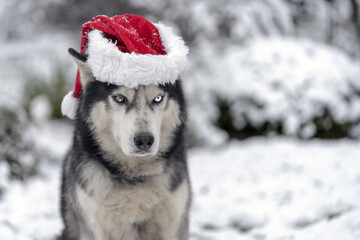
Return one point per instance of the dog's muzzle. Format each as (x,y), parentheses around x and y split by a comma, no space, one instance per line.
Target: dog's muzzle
(143,141)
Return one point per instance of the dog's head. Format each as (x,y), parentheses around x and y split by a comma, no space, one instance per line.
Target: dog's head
(136,121)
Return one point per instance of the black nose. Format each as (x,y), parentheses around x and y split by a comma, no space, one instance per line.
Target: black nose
(144,141)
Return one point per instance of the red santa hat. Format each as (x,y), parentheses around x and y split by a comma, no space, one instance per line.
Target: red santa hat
(128,50)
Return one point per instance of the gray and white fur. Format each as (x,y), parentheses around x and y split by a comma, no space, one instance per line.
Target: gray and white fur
(125,176)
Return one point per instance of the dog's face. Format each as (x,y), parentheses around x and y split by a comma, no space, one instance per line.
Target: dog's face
(139,117)
(138,121)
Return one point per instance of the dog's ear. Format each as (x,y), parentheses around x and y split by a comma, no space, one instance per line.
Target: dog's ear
(85,73)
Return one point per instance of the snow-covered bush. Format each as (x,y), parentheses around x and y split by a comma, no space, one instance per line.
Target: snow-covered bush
(276,85)
(16,152)
(53,90)
(335,22)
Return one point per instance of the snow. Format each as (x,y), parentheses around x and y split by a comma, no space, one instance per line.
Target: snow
(261,188)
(40,108)
(277,189)
(285,80)
(30,210)
(34,59)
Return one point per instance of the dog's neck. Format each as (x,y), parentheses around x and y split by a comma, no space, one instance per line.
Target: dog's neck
(117,174)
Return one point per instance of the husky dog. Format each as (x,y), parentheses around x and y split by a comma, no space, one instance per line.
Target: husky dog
(125,176)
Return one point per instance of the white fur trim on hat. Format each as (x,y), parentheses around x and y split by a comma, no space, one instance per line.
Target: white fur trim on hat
(108,64)
(69,105)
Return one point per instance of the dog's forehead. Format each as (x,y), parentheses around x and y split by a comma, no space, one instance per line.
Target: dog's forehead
(127,92)
(149,91)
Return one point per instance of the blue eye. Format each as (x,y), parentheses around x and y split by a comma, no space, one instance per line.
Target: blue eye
(158,98)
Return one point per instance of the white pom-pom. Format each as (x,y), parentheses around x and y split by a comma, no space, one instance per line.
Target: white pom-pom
(69,105)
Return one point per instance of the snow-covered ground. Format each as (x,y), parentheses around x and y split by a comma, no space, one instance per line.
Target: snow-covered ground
(277,189)
(259,189)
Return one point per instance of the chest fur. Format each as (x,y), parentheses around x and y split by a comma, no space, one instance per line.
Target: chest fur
(128,203)
(111,208)
(115,217)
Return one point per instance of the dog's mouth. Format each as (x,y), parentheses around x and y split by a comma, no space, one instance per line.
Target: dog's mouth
(143,153)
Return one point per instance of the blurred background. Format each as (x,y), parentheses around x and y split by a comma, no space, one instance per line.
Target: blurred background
(274,98)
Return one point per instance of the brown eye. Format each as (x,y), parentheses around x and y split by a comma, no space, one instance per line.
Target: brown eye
(119,99)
